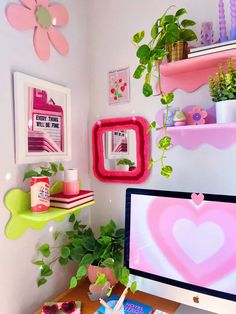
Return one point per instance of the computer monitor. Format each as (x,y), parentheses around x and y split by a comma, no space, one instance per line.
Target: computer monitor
(184,245)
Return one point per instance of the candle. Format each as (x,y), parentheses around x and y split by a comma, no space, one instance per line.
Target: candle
(222,22)
(233,19)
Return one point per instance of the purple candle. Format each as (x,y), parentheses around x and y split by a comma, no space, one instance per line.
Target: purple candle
(222,23)
(233,19)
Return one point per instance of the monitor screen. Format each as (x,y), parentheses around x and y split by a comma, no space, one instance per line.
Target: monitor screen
(183,239)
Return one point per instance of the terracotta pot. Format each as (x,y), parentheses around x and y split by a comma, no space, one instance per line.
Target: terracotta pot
(95,271)
(177,51)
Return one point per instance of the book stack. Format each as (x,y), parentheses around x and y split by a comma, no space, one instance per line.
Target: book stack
(205,50)
(60,200)
(128,307)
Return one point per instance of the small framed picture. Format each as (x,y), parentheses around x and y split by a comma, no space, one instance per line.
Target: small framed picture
(42,120)
(119,86)
(117,144)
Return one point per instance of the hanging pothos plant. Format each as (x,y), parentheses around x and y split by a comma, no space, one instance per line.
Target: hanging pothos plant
(167,30)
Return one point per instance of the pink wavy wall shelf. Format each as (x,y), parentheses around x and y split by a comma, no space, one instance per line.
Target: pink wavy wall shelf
(190,74)
(192,136)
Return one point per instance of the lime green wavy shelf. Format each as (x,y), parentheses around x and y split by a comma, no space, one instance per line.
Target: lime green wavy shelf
(22,218)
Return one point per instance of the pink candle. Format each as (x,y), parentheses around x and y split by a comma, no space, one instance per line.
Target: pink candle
(222,23)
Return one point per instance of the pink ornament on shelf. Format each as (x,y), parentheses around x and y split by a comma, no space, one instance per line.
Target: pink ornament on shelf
(45,19)
(196,116)
(222,22)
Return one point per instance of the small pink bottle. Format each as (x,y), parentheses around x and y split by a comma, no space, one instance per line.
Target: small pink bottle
(71,182)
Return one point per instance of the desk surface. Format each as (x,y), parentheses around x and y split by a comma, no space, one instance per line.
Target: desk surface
(88,307)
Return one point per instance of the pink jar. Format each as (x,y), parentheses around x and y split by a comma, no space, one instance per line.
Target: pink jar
(71,182)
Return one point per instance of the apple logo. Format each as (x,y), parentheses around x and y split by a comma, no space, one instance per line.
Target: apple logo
(196,299)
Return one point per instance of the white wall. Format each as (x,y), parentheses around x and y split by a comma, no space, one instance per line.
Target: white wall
(18,289)
(113,23)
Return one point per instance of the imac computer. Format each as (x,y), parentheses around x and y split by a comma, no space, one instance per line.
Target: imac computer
(182,247)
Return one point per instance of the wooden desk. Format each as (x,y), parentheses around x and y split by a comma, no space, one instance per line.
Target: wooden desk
(89,307)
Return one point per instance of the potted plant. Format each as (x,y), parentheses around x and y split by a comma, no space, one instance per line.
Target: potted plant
(124,164)
(223,92)
(168,34)
(99,257)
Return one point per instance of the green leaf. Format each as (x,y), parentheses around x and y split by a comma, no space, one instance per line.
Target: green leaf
(154,31)
(63,261)
(41,281)
(71,234)
(119,95)
(165,143)
(147,90)
(187,23)
(133,287)
(139,71)
(104,240)
(46,173)
(61,167)
(76,225)
(166,171)
(77,253)
(109,262)
(120,233)
(150,164)
(187,35)
(73,282)
(46,270)
(180,12)
(88,243)
(44,250)
(101,280)
(108,229)
(87,259)
(124,278)
(81,272)
(138,37)
(143,51)
(54,167)
(40,263)
(72,218)
(160,54)
(30,174)
(152,125)
(167,99)
(65,252)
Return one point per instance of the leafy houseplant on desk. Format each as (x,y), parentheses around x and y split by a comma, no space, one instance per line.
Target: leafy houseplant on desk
(91,253)
(168,35)
(223,92)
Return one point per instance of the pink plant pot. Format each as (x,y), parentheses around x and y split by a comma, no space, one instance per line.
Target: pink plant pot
(95,271)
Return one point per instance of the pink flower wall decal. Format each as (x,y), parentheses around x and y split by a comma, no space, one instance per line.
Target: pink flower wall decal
(45,19)
(196,116)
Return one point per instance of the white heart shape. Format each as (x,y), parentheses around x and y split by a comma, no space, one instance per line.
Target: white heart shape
(199,242)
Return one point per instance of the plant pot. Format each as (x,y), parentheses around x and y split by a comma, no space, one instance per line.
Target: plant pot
(177,51)
(122,167)
(95,271)
(226,111)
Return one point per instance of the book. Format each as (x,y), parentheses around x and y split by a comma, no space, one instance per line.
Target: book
(72,307)
(211,50)
(70,198)
(225,43)
(128,307)
(72,204)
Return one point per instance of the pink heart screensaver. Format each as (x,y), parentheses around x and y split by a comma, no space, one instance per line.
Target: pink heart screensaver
(189,240)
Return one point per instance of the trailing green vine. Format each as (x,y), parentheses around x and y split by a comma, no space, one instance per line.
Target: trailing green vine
(167,30)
